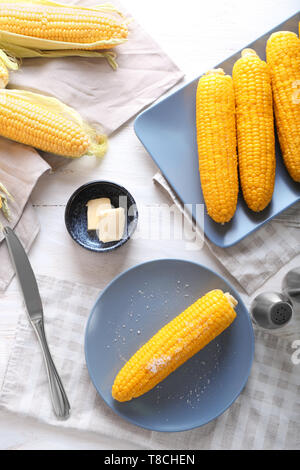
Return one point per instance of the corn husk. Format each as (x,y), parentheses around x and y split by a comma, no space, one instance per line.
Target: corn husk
(6,63)
(9,62)
(4,196)
(98,146)
(25,52)
(22,46)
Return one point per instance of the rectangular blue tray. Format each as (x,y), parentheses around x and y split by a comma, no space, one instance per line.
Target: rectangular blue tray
(168,132)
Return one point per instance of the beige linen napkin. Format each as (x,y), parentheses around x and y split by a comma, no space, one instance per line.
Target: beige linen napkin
(261,254)
(105,98)
(265,416)
(20,169)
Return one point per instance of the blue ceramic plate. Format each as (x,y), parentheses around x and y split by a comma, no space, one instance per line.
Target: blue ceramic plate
(135,306)
(167,130)
(76,214)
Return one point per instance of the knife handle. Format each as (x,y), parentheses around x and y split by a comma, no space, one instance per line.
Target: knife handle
(59,398)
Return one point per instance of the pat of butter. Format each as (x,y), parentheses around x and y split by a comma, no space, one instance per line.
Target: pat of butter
(95,206)
(111,225)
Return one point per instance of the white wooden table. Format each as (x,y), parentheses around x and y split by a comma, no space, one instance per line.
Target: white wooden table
(197,35)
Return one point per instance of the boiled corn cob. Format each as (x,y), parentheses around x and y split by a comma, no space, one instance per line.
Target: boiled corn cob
(283,58)
(47,124)
(216,139)
(67,27)
(255,129)
(174,344)
(6,64)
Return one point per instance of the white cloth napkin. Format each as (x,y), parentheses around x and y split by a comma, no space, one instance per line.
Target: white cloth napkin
(265,416)
(261,254)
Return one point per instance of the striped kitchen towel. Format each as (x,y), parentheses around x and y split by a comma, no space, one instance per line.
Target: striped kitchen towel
(261,254)
(265,416)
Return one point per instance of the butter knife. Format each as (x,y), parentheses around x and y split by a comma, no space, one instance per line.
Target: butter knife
(34,309)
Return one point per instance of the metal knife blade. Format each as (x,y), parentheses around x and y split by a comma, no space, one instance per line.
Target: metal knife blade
(25,275)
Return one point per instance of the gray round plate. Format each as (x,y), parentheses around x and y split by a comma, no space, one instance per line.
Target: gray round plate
(132,308)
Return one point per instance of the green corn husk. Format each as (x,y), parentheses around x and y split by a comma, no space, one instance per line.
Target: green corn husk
(26,46)
(98,141)
(9,62)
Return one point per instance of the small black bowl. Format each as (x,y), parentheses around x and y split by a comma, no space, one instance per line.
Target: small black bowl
(76,214)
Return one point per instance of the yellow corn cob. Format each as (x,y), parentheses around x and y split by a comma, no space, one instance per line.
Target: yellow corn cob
(52,21)
(46,124)
(283,58)
(174,344)
(255,129)
(216,139)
